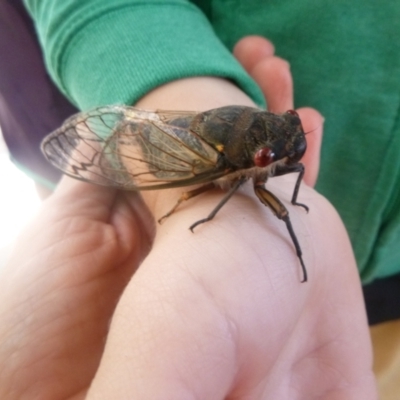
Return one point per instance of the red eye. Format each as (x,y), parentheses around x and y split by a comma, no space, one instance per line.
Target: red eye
(292,112)
(264,157)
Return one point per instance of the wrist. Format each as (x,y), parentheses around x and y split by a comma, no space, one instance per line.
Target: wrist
(191,94)
(195,94)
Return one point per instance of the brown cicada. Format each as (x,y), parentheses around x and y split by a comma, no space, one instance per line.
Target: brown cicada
(134,149)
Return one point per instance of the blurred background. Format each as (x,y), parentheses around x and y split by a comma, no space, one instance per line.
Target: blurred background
(18,202)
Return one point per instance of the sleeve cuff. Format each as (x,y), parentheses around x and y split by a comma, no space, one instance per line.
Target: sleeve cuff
(120,53)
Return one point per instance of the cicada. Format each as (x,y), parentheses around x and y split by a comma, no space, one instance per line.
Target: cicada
(134,149)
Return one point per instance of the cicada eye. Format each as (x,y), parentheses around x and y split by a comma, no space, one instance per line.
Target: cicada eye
(292,112)
(264,157)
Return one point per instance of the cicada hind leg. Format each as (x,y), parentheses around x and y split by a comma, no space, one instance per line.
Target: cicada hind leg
(195,192)
(223,201)
(187,196)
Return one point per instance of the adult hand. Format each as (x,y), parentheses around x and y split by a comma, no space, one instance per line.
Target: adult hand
(217,314)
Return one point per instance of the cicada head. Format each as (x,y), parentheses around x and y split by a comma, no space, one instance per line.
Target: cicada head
(297,144)
(284,139)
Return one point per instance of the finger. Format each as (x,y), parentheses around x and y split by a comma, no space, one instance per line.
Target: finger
(92,201)
(273,76)
(127,212)
(69,186)
(251,50)
(313,123)
(271,73)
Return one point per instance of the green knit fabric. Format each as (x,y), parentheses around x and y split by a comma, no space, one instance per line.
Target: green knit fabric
(345,61)
(102,52)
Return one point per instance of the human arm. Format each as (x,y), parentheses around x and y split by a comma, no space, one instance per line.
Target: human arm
(100,52)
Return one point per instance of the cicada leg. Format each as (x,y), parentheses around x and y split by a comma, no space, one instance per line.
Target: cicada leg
(187,196)
(287,169)
(300,169)
(224,200)
(271,201)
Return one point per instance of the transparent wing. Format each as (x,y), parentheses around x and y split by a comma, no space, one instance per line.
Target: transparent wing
(132,149)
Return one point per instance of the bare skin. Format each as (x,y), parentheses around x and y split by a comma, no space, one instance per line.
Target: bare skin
(88,311)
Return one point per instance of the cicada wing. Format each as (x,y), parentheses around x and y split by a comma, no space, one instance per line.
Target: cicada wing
(175,117)
(80,147)
(130,149)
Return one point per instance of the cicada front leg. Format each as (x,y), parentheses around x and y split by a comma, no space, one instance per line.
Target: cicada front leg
(287,169)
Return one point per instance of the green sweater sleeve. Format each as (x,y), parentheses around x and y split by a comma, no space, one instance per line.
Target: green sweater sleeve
(101,52)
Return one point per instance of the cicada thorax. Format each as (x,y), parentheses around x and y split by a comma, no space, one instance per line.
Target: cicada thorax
(226,129)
